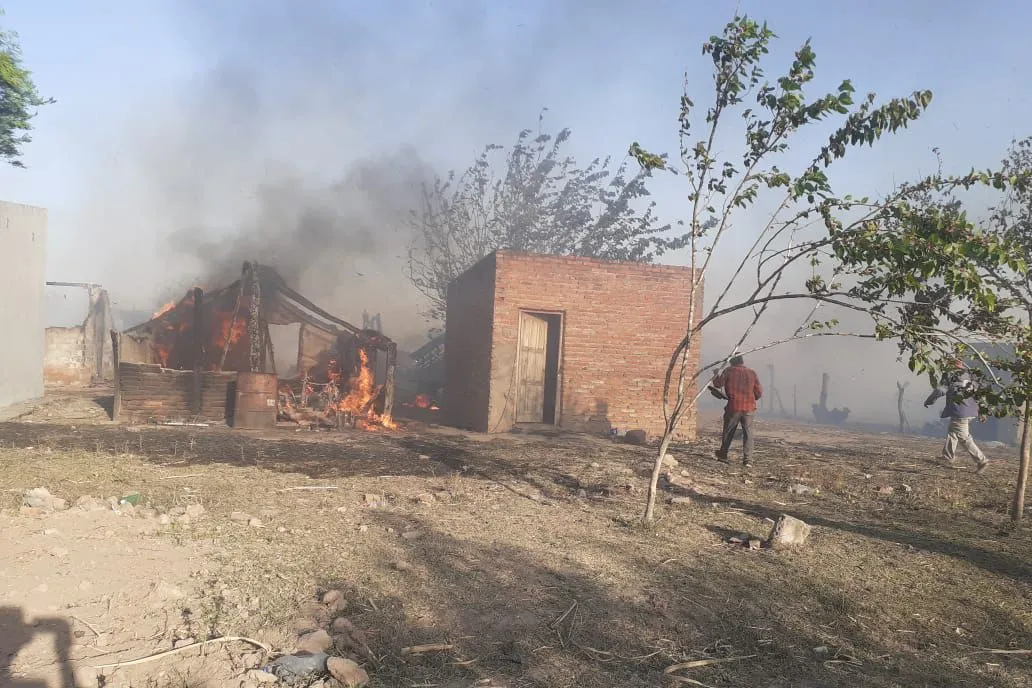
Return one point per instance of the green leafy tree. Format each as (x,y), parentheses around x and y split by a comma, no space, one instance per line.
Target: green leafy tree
(989,304)
(19,99)
(531,198)
(867,256)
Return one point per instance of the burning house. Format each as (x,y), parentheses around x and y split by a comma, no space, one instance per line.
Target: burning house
(211,356)
(577,343)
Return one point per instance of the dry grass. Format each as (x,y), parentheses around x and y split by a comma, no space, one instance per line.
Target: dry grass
(534,585)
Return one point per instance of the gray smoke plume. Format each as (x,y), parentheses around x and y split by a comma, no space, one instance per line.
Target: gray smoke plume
(276,153)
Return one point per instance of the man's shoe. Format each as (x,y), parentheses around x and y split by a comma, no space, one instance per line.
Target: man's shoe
(747,463)
(721,456)
(982,465)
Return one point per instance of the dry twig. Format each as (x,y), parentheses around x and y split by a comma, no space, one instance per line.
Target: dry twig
(431,647)
(694,664)
(168,653)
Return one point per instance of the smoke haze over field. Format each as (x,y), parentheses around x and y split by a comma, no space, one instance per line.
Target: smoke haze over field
(191,136)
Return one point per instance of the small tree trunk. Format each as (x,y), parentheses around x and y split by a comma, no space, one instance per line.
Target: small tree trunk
(900,386)
(664,444)
(1018,505)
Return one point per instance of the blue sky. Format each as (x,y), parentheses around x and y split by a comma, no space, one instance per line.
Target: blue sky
(609,70)
(161,101)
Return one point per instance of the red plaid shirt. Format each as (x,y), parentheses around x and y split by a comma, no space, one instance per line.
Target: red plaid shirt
(742,387)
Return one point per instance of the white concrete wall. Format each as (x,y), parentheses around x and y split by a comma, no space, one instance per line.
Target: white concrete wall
(23,239)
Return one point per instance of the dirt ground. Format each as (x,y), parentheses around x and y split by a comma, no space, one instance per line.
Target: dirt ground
(522,554)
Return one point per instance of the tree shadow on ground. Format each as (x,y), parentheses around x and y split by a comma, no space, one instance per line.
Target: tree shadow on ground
(516,465)
(512,616)
(994,562)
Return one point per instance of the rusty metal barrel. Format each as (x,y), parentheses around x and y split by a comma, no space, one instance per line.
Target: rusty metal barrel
(255,407)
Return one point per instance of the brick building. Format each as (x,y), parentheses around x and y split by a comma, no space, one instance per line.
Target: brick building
(574,342)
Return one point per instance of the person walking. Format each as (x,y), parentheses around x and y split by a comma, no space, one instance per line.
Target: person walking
(741,387)
(961,408)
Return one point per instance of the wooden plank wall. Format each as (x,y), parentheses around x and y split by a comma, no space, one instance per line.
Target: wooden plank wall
(150,392)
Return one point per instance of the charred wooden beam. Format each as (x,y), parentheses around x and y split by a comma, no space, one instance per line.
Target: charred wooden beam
(81,285)
(198,350)
(253,321)
(270,354)
(236,311)
(388,383)
(116,350)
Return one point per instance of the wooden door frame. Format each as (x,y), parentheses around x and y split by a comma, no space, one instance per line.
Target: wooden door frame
(558,367)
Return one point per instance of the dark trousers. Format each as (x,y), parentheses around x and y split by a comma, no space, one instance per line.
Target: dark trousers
(732,419)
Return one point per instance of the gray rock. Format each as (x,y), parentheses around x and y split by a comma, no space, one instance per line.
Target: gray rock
(789,532)
(40,498)
(669,461)
(299,669)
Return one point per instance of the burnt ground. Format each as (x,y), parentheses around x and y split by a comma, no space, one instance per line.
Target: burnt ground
(524,552)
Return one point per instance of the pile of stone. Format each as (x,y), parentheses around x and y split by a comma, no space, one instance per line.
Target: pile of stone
(39,502)
(327,656)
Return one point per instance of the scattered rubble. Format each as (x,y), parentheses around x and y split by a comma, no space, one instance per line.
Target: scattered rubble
(803,490)
(315,642)
(87,503)
(636,437)
(333,599)
(41,499)
(259,676)
(347,672)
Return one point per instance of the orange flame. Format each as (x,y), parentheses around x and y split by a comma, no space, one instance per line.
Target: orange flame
(164,309)
(229,331)
(361,391)
(359,399)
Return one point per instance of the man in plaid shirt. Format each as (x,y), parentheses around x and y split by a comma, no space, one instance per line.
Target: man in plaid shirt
(742,388)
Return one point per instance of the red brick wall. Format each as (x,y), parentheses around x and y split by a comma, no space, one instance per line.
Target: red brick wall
(621,323)
(467,346)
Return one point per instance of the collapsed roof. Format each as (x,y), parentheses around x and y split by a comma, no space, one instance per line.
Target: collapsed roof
(224,321)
